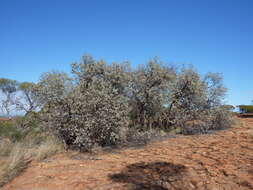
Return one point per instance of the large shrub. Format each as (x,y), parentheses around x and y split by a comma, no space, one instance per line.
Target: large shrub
(97,114)
(148,90)
(98,101)
(93,111)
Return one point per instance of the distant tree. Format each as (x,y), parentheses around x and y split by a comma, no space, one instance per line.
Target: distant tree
(215,89)
(27,99)
(8,89)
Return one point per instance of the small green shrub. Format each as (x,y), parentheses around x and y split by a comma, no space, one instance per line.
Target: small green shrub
(9,130)
(222,119)
(194,127)
(246,108)
(135,136)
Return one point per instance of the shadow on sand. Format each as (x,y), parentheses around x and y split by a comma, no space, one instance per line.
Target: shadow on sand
(150,176)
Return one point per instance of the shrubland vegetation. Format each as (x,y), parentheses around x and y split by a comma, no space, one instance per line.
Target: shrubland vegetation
(111,104)
(19,146)
(102,104)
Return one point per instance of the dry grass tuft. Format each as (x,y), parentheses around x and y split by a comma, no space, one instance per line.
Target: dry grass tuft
(47,149)
(17,156)
(15,163)
(5,147)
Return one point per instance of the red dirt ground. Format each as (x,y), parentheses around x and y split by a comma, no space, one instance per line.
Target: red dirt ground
(5,119)
(220,161)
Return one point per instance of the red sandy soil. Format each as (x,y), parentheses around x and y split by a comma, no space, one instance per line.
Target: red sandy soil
(5,119)
(219,161)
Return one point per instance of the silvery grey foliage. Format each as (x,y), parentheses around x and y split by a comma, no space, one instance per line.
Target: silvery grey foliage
(221,118)
(99,112)
(214,89)
(94,110)
(53,86)
(149,87)
(187,97)
(100,107)
(103,103)
(197,103)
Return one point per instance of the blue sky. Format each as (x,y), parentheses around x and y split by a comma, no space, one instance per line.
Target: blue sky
(213,35)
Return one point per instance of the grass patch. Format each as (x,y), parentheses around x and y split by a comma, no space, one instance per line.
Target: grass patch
(9,130)
(15,163)
(16,154)
(48,148)
(237,123)
(5,147)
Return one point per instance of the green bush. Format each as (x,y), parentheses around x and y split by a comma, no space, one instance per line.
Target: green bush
(20,127)
(246,108)
(9,130)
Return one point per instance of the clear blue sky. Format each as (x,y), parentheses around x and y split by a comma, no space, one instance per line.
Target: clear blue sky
(214,35)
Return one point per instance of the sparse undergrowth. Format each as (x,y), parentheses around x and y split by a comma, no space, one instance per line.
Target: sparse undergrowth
(209,163)
(16,162)
(16,153)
